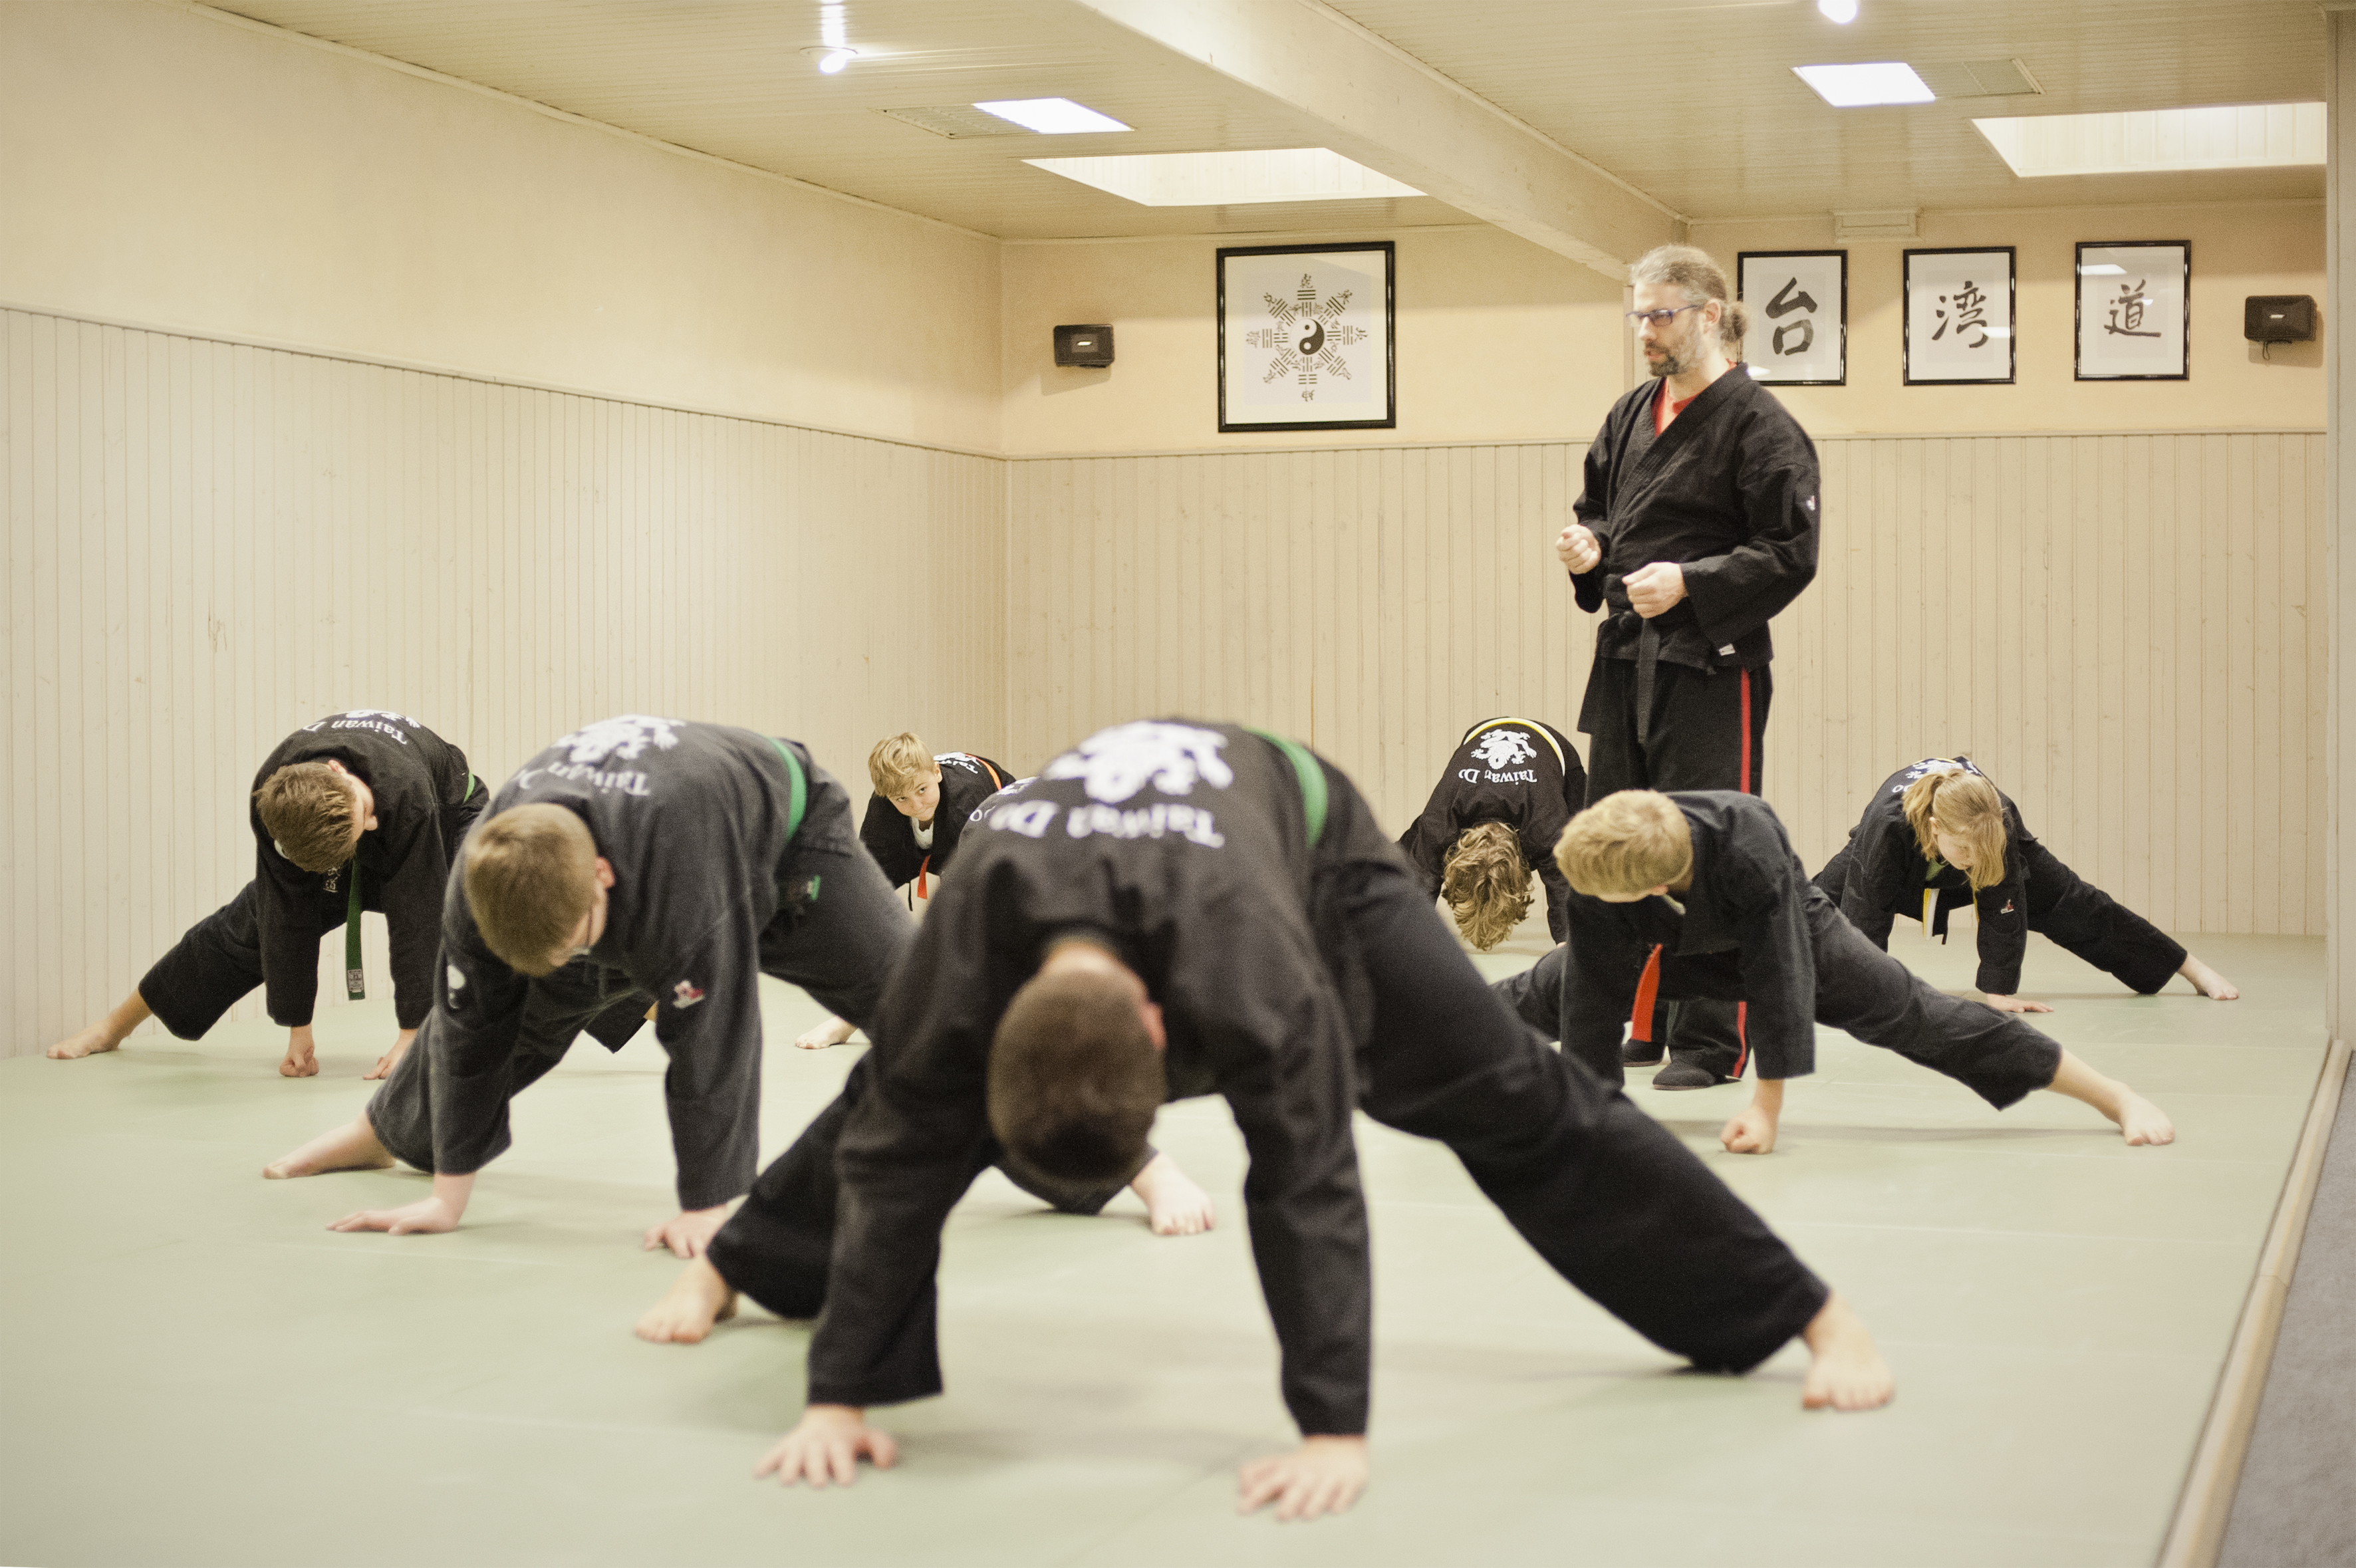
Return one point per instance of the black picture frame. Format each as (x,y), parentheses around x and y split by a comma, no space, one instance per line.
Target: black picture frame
(2012,317)
(1388,251)
(1741,268)
(2080,320)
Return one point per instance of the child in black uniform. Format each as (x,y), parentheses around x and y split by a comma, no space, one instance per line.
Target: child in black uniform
(1176,908)
(360,811)
(1496,813)
(1698,894)
(1938,835)
(914,820)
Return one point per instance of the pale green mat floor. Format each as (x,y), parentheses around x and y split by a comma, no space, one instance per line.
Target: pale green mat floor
(197,1372)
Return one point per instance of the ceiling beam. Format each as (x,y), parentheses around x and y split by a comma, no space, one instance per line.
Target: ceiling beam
(1381,106)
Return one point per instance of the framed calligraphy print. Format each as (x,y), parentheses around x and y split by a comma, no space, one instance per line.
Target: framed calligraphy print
(2134,311)
(1305,337)
(1959,316)
(1799,315)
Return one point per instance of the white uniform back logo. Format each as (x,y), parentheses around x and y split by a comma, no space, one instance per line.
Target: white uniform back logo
(1117,763)
(624,737)
(1504,747)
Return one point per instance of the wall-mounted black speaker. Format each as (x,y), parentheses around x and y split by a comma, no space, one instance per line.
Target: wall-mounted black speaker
(1090,348)
(2278,319)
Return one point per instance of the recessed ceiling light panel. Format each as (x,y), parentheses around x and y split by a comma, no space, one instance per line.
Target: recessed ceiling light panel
(1229,179)
(1856,86)
(1052,116)
(2160,141)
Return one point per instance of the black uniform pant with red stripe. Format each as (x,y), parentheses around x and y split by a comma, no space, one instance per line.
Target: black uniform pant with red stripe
(1706,730)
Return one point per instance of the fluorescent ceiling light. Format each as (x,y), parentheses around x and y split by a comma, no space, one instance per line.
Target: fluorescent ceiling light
(1855,86)
(1229,179)
(1841,11)
(1052,116)
(2157,141)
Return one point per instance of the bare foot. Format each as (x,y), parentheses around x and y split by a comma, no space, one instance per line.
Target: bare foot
(2141,1121)
(833,1032)
(106,1034)
(352,1147)
(1174,1206)
(1848,1372)
(696,1300)
(2206,981)
(89,1043)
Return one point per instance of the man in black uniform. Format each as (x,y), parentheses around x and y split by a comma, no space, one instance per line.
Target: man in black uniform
(1698,525)
(1522,780)
(1226,901)
(360,811)
(1699,894)
(636,861)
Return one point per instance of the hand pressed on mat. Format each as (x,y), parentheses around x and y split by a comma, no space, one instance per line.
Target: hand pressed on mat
(826,1447)
(392,1059)
(426,1217)
(688,1232)
(1323,1475)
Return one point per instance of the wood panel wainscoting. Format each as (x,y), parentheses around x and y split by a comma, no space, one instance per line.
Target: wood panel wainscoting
(2126,631)
(211,543)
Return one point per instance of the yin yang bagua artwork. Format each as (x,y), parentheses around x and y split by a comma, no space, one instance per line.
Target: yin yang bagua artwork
(1305,337)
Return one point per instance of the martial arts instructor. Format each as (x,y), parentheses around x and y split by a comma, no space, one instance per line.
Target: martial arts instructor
(1698,525)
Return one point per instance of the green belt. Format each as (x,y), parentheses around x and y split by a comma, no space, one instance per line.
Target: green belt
(1312,777)
(355,977)
(798,783)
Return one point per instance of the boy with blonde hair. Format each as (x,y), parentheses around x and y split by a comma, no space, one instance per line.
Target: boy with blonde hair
(1177,908)
(921,805)
(361,811)
(914,820)
(636,861)
(1698,894)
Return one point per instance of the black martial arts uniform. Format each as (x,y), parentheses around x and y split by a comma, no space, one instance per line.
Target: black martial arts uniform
(967,780)
(733,857)
(1882,872)
(1303,975)
(1728,493)
(269,934)
(1753,928)
(1515,771)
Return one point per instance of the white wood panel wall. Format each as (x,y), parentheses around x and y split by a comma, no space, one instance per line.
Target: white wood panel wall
(2123,629)
(209,545)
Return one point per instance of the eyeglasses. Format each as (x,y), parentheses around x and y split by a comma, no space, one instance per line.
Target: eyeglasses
(1657,317)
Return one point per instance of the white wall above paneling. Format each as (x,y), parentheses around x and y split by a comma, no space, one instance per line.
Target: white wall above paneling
(209,545)
(2122,628)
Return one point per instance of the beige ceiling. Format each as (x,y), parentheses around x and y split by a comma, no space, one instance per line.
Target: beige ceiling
(728,78)
(1692,102)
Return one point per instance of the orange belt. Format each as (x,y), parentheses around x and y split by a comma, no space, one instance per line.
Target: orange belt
(1640,1019)
(996,784)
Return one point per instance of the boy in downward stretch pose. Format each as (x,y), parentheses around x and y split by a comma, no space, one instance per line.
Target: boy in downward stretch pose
(1176,908)
(636,861)
(1494,817)
(1698,894)
(914,820)
(360,811)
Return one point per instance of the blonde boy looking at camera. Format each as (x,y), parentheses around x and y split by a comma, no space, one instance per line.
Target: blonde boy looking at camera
(1697,893)
(913,822)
